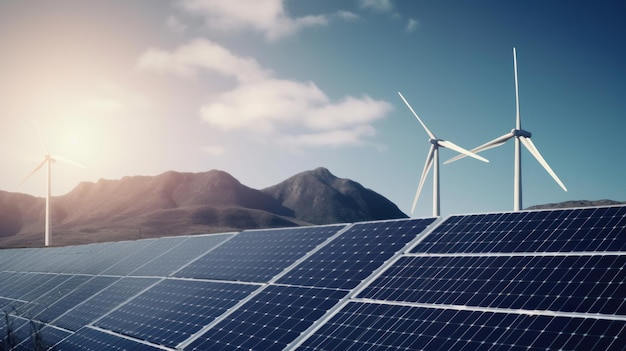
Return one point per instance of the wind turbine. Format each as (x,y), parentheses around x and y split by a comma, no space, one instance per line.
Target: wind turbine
(433,158)
(48,160)
(523,137)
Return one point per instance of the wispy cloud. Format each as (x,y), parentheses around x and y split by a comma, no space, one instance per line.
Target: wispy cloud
(377,5)
(288,111)
(412,25)
(266,16)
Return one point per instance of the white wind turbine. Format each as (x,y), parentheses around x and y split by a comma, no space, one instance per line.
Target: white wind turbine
(433,158)
(48,160)
(522,136)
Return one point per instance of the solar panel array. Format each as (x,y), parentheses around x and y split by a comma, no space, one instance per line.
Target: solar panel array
(532,280)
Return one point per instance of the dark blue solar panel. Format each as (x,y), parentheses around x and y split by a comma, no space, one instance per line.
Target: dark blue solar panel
(578,230)
(257,256)
(40,284)
(83,292)
(55,293)
(41,338)
(355,254)
(270,320)
(171,260)
(103,302)
(89,339)
(374,327)
(172,310)
(142,255)
(587,284)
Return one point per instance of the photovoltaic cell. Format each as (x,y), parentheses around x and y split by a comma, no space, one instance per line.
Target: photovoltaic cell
(355,254)
(577,230)
(585,284)
(89,339)
(257,256)
(171,260)
(103,302)
(172,310)
(374,327)
(270,320)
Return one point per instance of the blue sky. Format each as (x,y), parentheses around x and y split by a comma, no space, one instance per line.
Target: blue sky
(266,89)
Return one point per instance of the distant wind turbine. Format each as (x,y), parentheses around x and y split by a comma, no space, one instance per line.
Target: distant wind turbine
(433,158)
(522,136)
(48,160)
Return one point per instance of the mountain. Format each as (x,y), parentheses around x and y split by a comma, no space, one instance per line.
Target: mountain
(319,197)
(576,203)
(175,203)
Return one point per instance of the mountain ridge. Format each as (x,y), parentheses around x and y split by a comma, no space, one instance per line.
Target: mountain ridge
(182,203)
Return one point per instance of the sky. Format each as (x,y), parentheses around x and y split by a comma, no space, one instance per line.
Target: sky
(265,89)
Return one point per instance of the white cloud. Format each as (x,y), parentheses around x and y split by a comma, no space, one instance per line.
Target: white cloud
(202,53)
(263,104)
(377,5)
(350,136)
(412,25)
(266,16)
(347,15)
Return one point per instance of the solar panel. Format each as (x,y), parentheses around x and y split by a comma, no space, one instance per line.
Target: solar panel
(90,339)
(75,297)
(43,338)
(355,254)
(259,255)
(52,295)
(184,252)
(172,310)
(103,302)
(531,280)
(270,320)
(140,256)
(372,326)
(577,230)
(584,284)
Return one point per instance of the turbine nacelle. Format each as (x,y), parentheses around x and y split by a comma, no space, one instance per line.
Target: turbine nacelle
(521,133)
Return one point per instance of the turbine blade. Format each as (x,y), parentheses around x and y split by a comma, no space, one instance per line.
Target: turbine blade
(427,165)
(56,157)
(518,121)
(430,134)
(32,172)
(486,146)
(41,138)
(453,146)
(533,150)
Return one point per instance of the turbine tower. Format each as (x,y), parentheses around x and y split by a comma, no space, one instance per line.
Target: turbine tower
(433,158)
(521,136)
(48,160)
